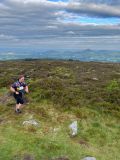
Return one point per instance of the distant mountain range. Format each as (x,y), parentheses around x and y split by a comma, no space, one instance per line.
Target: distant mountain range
(81,55)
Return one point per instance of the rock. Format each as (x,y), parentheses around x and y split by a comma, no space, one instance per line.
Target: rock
(28,157)
(89,158)
(30,122)
(73,128)
(61,158)
(23,157)
(56,130)
(95,79)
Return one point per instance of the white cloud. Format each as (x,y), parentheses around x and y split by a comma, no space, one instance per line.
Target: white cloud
(8,37)
(47,23)
(93,9)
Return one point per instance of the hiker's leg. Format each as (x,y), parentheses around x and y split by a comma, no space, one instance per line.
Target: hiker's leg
(20,103)
(18,106)
(22,106)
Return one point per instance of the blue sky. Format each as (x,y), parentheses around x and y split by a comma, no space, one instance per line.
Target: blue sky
(55,24)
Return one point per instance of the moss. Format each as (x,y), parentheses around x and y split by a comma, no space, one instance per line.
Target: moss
(113,86)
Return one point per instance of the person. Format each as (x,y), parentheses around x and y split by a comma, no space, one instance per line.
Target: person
(19,88)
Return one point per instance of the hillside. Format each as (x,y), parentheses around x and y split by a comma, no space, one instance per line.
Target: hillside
(60,93)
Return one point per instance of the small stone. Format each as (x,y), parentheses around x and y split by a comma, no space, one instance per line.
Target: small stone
(61,158)
(95,79)
(30,122)
(28,157)
(56,129)
(89,158)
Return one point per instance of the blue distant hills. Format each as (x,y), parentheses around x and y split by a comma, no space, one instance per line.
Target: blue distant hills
(81,55)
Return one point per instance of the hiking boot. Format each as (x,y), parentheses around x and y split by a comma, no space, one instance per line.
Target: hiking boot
(18,111)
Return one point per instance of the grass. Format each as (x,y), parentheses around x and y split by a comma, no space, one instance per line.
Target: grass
(61,92)
(98,134)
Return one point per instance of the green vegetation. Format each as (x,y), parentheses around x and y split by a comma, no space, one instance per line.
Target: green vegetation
(61,92)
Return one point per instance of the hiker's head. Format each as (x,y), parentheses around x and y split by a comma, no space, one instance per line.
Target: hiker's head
(21,78)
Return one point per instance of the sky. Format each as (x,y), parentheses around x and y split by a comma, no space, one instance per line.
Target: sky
(60,24)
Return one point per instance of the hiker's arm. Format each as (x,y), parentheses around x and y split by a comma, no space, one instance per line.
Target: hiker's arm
(26,89)
(13,90)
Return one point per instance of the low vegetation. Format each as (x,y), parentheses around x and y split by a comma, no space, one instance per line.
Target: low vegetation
(61,92)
